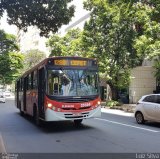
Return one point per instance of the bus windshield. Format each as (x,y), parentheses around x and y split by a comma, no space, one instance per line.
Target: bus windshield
(72,82)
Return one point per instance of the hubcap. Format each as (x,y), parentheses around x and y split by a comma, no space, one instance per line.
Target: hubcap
(139,118)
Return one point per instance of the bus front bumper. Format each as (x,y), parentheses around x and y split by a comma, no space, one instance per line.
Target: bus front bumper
(51,115)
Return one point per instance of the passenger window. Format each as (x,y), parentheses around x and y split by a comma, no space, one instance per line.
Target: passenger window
(150,99)
(158,99)
(35,80)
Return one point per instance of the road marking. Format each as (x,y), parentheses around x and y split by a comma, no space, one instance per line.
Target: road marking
(114,122)
(2,147)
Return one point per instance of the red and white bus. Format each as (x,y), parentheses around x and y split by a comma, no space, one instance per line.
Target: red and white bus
(60,88)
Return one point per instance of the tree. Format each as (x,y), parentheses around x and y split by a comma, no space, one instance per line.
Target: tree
(10,63)
(148,44)
(47,15)
(55,45)
(10,58)
(7,42)
(68,45)
(121,34)
(32,57)
(109,36)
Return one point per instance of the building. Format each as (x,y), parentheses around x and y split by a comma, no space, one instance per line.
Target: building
(80,17)
(32,40)
(142,81)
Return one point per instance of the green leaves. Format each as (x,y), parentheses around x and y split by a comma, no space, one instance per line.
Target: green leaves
(31,58)
(121,34)
(10,63)
(10,59)
(68,45)
(7,42)
(47,15)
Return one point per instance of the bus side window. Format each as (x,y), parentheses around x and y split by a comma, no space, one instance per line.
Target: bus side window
(26,83)
(21,87)
(34,79)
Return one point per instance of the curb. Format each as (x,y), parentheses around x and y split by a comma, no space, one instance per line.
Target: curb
(117,112)
(2,146)
(129,108)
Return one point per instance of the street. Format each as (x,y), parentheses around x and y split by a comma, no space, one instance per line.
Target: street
(109,134)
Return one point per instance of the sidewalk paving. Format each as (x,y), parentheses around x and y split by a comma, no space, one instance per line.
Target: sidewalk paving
(117,112)
(2,146)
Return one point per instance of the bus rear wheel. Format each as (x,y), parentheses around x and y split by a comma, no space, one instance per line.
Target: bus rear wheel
(78,122)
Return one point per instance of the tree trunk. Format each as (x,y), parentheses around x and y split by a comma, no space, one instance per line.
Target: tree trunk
(114,91)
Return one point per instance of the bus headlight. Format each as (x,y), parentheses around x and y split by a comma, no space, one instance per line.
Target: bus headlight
(49,105)
(98,102)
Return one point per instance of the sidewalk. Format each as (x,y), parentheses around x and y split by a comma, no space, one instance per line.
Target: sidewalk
(117,112)
(2,147)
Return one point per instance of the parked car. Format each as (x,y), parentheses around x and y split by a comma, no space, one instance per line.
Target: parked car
(148,109)
(2,97)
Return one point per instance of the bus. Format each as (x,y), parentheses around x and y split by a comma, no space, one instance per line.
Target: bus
(60,88)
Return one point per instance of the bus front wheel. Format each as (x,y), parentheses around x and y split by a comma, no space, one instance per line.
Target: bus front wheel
(21,112)
(78,122)
(36,116)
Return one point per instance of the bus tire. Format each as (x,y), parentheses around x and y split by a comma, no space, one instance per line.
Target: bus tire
(78,122)
(20,109)
(37,121)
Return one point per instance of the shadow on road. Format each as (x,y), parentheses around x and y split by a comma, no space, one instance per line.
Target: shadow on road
(57,126)
(153,124)
(64,126)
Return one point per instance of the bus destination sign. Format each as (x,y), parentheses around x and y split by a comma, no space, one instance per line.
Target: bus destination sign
(64,62)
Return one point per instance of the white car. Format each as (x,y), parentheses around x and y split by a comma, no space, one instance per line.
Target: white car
(7,93)
(148,109)
(2,97)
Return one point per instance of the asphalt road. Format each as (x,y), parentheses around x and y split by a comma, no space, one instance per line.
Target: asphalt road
(109,134)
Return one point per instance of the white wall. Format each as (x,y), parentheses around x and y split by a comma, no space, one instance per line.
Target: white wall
(142,82)
(32,40)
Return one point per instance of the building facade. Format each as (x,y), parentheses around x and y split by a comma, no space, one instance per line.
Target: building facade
(142,82)
(80,17)
(32,40)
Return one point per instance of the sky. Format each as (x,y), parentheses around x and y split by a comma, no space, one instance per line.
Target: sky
(11,29)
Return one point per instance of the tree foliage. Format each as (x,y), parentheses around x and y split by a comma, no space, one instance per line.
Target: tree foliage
(121,34)
(109,35)
(68,45)
(47,15)
(10,63)
(32,57)
(10,59)
(7,42)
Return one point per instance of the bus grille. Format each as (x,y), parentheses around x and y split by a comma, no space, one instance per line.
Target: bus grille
(76,109)
(76,115)
(71,100)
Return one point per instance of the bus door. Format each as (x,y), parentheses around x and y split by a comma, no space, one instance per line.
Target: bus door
(17,93)
(24,92)
(41,90)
